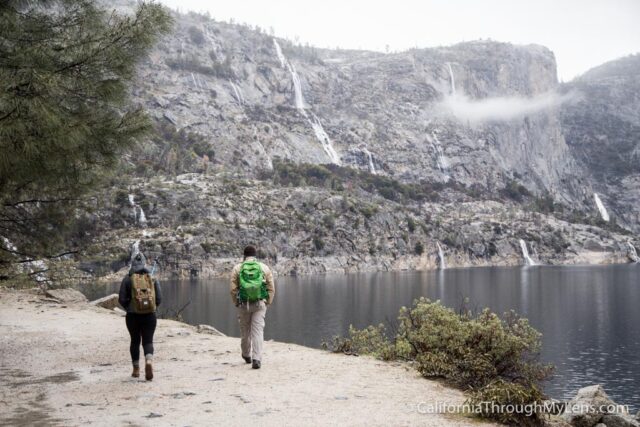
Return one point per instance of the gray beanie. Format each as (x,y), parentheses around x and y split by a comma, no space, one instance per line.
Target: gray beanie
(138,262)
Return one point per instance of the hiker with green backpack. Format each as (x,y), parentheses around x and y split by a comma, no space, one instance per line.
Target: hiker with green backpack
(140,295)
(252,290)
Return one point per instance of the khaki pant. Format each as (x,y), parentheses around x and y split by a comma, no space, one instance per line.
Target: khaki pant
(251,319)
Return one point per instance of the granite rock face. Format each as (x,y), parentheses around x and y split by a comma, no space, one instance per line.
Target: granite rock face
(502,151)
(602,129)
(479,113)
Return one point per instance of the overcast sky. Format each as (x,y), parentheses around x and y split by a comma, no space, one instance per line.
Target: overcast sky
(581,33)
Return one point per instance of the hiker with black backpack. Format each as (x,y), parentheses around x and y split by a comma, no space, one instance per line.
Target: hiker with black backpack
(252,290)
(140,295)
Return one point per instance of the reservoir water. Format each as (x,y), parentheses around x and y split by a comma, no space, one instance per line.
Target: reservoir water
(589,316)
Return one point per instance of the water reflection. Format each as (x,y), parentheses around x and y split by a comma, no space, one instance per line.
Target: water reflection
(588,315)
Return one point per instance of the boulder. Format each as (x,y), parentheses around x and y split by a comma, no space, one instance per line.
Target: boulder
(67,295)
(109,302)
(478,249)
(171,118)
(554,406)
(619,420)
(593,245)
(206,329)
(556,422)
(589,407)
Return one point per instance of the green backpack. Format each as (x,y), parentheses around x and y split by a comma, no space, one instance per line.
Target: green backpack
(252,286)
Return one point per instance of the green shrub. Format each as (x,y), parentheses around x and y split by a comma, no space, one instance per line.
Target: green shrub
(208,247)
(196,35)
(495,360)
(515,191)
(371,340)
(544,203)
(318,243)
(339,177)
(419,248)
(411,224)
(368,210)
(329,221)
(503,393)
(193,64)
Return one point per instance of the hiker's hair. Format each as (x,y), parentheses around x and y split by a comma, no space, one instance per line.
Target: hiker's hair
(250,251)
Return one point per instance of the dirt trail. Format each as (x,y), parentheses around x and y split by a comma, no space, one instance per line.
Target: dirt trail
(69,365)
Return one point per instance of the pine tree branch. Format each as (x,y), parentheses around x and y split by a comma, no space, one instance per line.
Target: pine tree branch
(24,202)
(9,114)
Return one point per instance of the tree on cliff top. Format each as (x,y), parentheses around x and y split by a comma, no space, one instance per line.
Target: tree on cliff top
(65,111)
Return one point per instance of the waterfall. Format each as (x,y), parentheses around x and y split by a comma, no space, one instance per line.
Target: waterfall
(633,254)
(132,202)
(443,164)
(441,160)
(323,138)
(443,263)
(452,79)
(297,88)
(238,93)
(135,249)
(525,253)
(280,55)
(314,121)
(140,218)
(203,83)
(372,167)
(603,211)
(195,83)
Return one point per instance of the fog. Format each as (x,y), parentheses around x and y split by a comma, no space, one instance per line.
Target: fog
(501,108)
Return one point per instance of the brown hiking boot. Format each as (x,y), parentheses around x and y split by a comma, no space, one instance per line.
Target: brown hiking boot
(148,371)
(136,372)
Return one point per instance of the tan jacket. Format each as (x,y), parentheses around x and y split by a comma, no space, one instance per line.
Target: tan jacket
(268,277)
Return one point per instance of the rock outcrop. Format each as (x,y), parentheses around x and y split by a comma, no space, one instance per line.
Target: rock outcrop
(66,295)
(592,407)
(109,302)
(602,129)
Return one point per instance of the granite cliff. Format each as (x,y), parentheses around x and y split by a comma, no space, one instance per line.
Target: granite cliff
(341,160)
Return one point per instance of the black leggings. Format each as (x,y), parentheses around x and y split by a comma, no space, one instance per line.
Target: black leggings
(141,326)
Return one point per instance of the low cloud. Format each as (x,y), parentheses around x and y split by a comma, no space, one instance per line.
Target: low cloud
(500,108)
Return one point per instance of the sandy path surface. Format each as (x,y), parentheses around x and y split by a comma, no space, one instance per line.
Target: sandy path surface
(69,365)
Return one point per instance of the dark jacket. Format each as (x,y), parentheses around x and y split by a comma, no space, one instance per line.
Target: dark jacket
(124,297)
